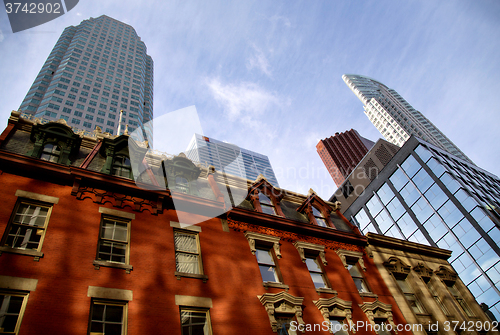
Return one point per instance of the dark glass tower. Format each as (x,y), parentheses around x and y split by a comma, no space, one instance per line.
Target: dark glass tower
(95,70)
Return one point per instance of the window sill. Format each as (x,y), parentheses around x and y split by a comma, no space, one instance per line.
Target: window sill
(26,252)
(268,284)
(99,263)
(325,290)
(368,294)
(190,275)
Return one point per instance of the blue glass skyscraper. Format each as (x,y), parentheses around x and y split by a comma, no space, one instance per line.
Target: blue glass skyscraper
(95,70)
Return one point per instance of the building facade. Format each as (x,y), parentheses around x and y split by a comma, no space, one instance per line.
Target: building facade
(426,195)
(342,152)
(425,287)
(394,117)
(96,69)
(230,158)
(85,245)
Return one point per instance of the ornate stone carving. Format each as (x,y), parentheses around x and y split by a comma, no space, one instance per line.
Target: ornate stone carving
(346,255)
(292,237)
(303,246)
(423,271)
(335,307)
(283,302)
(447,276)
(378,310)
(275,241)
(399,269)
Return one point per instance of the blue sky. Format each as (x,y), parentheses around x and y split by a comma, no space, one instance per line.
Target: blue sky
(266,75)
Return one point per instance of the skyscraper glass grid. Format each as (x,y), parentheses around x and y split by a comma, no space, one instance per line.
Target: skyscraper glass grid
(230,158)
(95,70)
(394,117)
(428,196)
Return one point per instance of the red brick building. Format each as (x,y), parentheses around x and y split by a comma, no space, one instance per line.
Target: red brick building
(87,248)
(342,152)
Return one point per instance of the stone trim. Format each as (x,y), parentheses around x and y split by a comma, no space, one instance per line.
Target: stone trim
(335,307)
(275,241)
(378,309)
(225,226)
(326,290)
(18,283)
(190,275)
(191,301)
(345,254)
(37,197)
(115,212)
(185,226)
(283,302)
(303,246)
(109,293)
(98,263)
(35,253)
(268,284)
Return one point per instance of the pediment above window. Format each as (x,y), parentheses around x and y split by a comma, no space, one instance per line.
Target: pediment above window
(181,174)
(378,310)
(423,271)
(397,267)
(281,303)
(265,197)
(447,276)
(335,308)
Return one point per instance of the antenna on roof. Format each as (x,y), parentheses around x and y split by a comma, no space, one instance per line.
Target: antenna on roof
(120,123)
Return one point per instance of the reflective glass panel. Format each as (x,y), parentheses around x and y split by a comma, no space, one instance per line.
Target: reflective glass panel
(423,153)
(411,166)
(398,179)
(385,194)
(422,180)
(374,206)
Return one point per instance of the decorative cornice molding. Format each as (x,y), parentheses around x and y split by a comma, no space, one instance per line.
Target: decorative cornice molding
(292,237)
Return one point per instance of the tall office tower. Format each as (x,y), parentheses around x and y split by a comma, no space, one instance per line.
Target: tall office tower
(230,158)
(394,117)
(342,152)
(95,70)
(426,195)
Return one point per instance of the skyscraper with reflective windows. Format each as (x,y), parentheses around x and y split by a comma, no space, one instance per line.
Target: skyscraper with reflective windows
(426,195)
(96,69)
(394,117)
(230,158)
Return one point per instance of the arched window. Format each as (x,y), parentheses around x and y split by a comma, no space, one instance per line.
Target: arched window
(319,217)
(121,167)
(266,204)
(181,184)
(51,152)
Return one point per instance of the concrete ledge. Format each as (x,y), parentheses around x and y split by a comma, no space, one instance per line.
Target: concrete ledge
(185,226)
(190,301)
(17,283)
(109,293)
(115,212)
(36,196)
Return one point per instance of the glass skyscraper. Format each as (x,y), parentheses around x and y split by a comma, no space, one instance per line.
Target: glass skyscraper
(394,117)
(95,70)
(426,195)
(230,158)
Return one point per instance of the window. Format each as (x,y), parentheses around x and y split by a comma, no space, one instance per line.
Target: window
(28,223)
(181,184)
(12,306)
(266,204)
(107,317)
(357,276)
(314,266)
(284,325)
(267,264)
(319,217)
(113,247)
(459,298)
(338,326)
(187,252)
(51,153)
(121,167)
(410,296)
(195,321)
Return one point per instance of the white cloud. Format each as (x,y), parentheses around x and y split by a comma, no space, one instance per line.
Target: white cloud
(244,100)
(277,18)
(259,60)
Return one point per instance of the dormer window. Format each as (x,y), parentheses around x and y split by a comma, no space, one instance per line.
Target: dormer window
(122,167)
(51,153)
(320,220)
(266,204)
(181,184)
